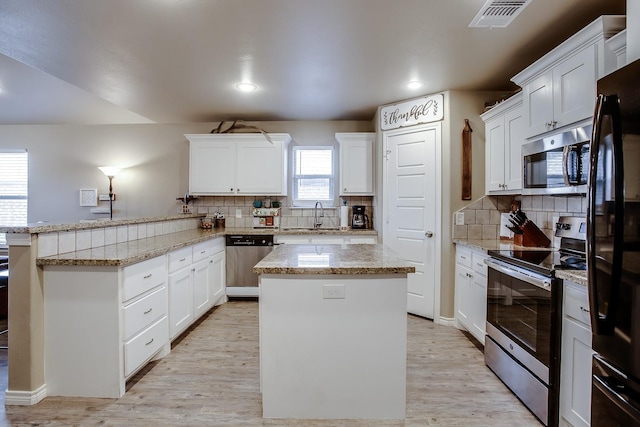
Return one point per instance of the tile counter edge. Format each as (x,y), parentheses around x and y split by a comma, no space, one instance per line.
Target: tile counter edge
(45,227)
(131,252)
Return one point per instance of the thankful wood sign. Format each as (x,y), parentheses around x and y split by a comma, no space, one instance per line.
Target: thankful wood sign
(414,112)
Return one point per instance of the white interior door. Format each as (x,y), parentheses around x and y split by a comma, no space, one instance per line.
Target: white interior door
(412,209)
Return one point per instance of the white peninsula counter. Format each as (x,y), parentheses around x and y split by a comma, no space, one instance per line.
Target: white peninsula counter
(333,332)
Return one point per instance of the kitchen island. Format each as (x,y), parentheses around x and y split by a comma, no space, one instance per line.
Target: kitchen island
(333,332)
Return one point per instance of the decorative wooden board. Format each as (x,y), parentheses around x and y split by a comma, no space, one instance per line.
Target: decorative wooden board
(466,160)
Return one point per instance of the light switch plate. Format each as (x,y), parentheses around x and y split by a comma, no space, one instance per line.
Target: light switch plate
(459,218)
(238,213)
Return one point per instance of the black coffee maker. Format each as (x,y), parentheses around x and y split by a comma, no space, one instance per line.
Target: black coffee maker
(359,219)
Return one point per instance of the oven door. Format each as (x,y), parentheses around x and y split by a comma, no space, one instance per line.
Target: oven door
(519,315)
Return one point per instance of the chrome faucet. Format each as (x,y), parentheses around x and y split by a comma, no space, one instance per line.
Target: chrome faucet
(317,223)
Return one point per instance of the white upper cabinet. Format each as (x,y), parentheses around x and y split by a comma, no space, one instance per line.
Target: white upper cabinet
(238,164)
(618,45)
(356,163)
(504,133)
(559,89)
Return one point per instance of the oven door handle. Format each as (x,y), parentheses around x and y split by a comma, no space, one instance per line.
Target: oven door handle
(541,282)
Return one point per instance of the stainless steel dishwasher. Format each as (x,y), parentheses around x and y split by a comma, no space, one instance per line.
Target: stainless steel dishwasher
(243,252)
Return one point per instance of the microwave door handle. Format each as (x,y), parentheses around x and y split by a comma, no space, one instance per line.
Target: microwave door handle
(565,164)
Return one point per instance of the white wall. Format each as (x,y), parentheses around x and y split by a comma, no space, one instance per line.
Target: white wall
(63,159)
(633,30)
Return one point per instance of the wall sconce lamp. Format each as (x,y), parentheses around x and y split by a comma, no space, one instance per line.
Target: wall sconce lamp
(110,172)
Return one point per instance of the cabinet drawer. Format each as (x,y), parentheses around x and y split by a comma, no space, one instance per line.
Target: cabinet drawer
(143,276)
(217,245)
(201,251)
(145,311)
(576,304)
(479,266)
(143,346)
(463,257)
(180,258)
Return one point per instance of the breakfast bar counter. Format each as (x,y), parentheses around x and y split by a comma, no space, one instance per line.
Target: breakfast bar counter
(333,332)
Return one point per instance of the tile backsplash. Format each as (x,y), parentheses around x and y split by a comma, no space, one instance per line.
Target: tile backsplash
(482,217)
(289,217)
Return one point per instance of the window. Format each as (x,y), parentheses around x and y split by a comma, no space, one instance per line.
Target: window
(13,189)
(312,175)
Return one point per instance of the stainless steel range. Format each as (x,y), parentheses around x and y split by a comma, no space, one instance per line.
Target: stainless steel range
(523,317)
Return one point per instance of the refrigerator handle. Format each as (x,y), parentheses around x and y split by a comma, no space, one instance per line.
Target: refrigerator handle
(604,324)
(591,217)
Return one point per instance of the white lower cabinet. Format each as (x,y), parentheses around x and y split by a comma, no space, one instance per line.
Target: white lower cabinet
(196,282)
(471,291)
(217,271)
(102,324)
(575,358)
(180,291)
(201,287)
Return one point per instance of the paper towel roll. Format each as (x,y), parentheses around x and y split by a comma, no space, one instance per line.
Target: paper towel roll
(344,215)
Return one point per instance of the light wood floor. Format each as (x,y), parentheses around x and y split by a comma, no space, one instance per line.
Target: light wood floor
(211,378)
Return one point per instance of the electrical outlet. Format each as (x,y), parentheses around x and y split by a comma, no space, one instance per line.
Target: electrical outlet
(333,291)
(99,210)
(459,218)
(238,213)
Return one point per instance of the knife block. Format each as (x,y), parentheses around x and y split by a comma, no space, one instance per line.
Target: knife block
(531,236)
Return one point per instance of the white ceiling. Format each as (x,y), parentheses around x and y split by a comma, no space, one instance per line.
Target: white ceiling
(177,61)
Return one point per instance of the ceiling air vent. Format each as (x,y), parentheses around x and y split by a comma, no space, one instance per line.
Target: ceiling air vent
(498,13)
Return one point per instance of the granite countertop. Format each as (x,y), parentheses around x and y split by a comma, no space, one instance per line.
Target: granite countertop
(333,259)
(575,276)
(302,230)
(496,245)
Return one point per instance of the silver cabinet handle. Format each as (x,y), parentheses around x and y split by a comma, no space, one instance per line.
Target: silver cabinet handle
(149,342)
(147,276)
(429,234)
(148,311)
(182,259)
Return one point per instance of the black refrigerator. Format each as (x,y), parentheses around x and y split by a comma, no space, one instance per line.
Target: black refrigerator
(613,249)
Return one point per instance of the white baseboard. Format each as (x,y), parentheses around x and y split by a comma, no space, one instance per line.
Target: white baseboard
(447,321)
(25,398)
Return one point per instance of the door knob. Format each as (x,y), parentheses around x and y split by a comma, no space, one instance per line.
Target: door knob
(429,234)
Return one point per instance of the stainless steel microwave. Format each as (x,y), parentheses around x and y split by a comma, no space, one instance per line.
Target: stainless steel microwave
(557,164)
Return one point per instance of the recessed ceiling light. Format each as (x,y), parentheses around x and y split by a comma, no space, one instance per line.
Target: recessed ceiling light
(413,85)
(246,87)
